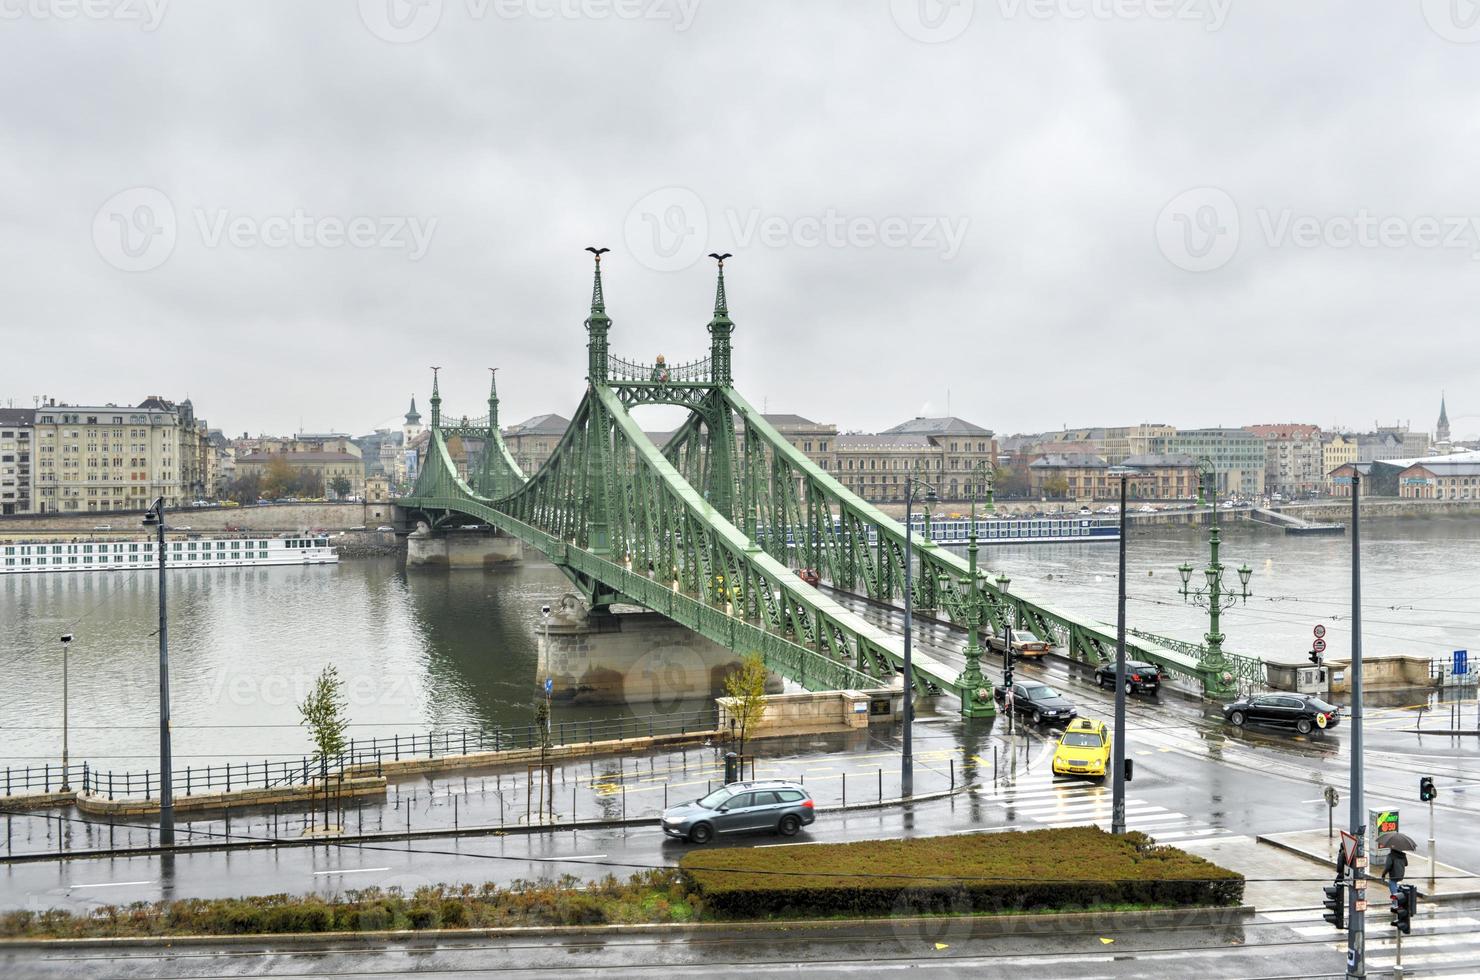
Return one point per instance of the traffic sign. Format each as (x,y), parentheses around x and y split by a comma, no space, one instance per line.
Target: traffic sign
(1461,661)
(1318,645)
(1320,631)
(549,684)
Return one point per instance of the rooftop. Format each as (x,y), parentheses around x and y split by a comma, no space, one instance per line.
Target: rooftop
(297,458)
(1062,460)
(540,425)
(948,425)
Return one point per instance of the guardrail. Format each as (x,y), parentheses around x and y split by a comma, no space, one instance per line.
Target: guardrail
(359,755)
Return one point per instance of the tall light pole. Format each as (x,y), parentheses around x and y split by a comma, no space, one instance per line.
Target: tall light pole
(155,517)
(973,704)
(1214,596)
(66,642)
(1356,938)
(1117,786)
(907,758)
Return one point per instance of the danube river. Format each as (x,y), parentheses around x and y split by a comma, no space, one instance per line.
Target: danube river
(440,649)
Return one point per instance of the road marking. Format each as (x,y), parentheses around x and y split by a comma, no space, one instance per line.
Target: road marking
(351,871)
(114,884)
(793,844)
(582,857)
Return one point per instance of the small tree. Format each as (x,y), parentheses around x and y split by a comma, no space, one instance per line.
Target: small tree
(341,486)
(746,689)
(323,714)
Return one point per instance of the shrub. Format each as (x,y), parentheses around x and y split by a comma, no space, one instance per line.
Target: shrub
(1076,867)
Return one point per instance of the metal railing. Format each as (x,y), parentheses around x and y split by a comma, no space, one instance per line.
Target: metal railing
(362,756)
(1441,672)
(621,369)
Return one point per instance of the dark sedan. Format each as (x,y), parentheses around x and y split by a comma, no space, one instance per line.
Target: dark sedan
(1139,676)
(1303,712)
(1039,701)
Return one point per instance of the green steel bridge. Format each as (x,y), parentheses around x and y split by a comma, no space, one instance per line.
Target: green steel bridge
(708,529)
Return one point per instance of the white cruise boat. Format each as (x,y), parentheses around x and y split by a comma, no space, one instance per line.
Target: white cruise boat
(196,551)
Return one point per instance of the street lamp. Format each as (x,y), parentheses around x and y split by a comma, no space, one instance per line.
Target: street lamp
(66,642)
(1214,596)
(1004,610)
(1117,791)
(973,703)
(154,518)
(907,760)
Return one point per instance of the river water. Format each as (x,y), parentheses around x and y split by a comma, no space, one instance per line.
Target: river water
(456,649)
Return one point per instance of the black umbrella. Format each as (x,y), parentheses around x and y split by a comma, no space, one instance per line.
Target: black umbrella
(1396,841)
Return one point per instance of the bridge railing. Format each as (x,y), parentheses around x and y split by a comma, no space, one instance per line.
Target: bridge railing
(361,757)
(694,372)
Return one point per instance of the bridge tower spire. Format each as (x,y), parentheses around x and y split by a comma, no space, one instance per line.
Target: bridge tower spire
(436,401)
(720,328)
(597,325)
(492,400)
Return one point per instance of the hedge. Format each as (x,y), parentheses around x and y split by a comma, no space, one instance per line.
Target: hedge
(1074,867)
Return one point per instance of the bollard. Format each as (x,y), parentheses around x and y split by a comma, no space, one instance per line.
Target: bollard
(454,813)
(624,801)
(572,806)
(953,774)
(665,796)
(881,784)
(845,789)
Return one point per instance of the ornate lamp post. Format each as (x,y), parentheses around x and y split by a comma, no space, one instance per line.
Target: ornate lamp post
(1213,596)
(976,700)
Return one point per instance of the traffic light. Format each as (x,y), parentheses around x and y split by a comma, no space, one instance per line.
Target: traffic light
(1426,790)
(1335,903)
(1403,905)
(1315,658)
(1130,765)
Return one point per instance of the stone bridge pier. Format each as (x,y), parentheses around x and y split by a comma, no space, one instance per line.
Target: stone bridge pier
(481,547)
(637,658)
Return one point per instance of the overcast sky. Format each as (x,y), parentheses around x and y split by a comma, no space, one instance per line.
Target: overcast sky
(1048,211)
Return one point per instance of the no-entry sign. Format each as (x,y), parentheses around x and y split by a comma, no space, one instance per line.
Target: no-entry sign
(1319,646)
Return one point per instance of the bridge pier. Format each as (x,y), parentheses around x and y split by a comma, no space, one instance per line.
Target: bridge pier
(458,548)
(641,659)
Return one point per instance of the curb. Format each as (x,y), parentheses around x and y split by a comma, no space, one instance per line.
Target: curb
(1438,899)
(437,834)
(999,924)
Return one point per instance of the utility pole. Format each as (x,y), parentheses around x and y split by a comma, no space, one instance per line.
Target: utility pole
(155,516)
(66,643)
(1356,942)
(1117,790)
(907,759)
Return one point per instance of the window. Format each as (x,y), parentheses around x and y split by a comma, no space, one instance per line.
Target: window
(765,799)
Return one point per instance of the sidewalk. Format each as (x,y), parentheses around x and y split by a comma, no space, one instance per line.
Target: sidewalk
(844,769)
(1449,884)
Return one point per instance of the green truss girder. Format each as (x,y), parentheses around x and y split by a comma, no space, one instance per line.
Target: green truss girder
(616,515)
(726,509)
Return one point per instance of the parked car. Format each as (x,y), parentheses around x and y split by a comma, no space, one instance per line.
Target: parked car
(1303,712)
(1085,512)
(1146,509)
(1139,676)
(385,527)
(1110,509)
(1024,644)
(1083,750)
(102,527)
(1039,701)
(766,804)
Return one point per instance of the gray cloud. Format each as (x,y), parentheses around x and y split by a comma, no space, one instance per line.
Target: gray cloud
(838,150)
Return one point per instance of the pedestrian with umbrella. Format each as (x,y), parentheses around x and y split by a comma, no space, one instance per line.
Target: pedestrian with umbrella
(1399,845)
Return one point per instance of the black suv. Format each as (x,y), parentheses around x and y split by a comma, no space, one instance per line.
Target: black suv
(1303,712)
(1139,676)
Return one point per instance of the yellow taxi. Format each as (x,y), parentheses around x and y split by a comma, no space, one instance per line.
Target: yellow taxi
(1084,749)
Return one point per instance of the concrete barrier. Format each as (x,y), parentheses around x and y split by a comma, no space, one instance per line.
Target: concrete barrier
(817,712)
(352,785)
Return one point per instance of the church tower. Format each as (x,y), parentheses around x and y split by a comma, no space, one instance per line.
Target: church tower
(412,428)
(1441,430)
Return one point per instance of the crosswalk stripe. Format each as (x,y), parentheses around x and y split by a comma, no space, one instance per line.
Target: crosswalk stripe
(1086,805)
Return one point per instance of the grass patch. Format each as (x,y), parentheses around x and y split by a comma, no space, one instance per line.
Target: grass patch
(1024,871)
